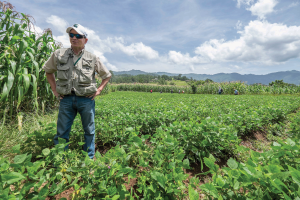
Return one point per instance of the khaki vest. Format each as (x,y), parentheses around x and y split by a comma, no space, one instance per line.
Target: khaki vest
(80,77)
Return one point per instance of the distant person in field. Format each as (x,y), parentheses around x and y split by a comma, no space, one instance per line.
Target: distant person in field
(171,91)
(178,91)
(236,92)
(151,90)
(220,90)
(182,91)
(76,86)
(161,91)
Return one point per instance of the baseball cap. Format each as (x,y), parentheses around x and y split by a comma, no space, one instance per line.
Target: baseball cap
(78,28)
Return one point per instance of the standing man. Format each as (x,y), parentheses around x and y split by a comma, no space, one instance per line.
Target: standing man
(76,86)
(236,92)
(220,90)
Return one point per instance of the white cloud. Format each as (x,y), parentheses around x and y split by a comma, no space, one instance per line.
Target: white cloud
(139,50)
(294,4)
(263,7)
(112,67)
(192,68)
(100,46)
(36,29)
(105,61)
(246,2)
(260,41)
(64,39)
(58,23)
(236,67)
(238,25)
(182,59)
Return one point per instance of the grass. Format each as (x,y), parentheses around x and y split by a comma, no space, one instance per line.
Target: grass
(10,135)
(178,83)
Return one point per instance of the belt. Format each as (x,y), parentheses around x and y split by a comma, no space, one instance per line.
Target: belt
(71,94)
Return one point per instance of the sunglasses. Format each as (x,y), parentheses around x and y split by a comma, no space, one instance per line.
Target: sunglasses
(78,36)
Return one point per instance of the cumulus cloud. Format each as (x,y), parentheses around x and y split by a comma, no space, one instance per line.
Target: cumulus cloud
(100,46)
(263,7)
(183,59)
(246,2)
(260,8)
(294,4)
(36,29)
(139,50)
(238,25)
(59,24)
(260,41)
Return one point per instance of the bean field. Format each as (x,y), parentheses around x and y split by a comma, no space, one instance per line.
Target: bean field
(165,146)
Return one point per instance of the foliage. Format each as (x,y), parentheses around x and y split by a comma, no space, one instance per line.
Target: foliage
(162,81)
(211,88)
(22,54)
(145,78)
(152,140)
(193,85)
(270,175)
(280,83)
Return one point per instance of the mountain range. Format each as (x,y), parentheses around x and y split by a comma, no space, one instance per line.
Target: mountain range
(292,77)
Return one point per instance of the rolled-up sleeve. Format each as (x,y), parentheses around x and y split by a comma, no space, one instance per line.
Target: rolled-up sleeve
(50,65)
(101,69)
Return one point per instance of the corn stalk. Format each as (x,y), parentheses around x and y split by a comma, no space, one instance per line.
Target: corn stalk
(23,85)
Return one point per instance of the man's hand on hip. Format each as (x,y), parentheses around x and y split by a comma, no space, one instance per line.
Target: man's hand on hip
(95,94)
(58,95)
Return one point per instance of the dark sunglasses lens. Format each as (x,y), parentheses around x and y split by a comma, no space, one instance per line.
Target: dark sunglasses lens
(76,35)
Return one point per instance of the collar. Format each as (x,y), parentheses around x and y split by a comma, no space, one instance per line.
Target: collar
(80,52)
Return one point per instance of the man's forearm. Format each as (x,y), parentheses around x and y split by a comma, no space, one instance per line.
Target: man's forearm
(51,80)
(103,83)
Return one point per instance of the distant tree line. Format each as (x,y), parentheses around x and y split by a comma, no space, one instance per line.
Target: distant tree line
(165,79)
(146,78)
(280,83)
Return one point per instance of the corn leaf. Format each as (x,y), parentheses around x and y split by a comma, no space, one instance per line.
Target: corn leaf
(37,70)
(4,93)
(26,80)
(20,95)
(13,66)
(10,81)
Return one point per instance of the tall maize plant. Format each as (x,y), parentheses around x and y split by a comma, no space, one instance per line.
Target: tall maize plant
(23,85)
(211,88)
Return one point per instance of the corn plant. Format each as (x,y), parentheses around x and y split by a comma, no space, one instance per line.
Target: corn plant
(23,84)
(210,88)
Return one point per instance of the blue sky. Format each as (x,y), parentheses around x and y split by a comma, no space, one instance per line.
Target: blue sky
(190,36)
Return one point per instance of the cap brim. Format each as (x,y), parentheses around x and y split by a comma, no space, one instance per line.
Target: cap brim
(69,29)
(78,31)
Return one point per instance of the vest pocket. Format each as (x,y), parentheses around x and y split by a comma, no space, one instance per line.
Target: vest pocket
(62,88)
(63,72)
(86,72)
(87,89)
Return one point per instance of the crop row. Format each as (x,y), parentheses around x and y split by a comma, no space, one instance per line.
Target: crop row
(210,88)
(152,139)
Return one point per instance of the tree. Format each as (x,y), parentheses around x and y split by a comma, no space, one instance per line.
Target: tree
(193,85)
(208,80)
(280,83)
(112,76)
(162,81)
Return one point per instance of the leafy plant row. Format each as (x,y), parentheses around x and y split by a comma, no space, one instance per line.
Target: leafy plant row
(274,174)
(211,88)
(152,137)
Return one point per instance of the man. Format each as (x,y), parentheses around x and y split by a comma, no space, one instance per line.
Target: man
(236,92)
(76,86)
(220,90)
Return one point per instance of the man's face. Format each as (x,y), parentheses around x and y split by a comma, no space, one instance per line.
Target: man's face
(79,43)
